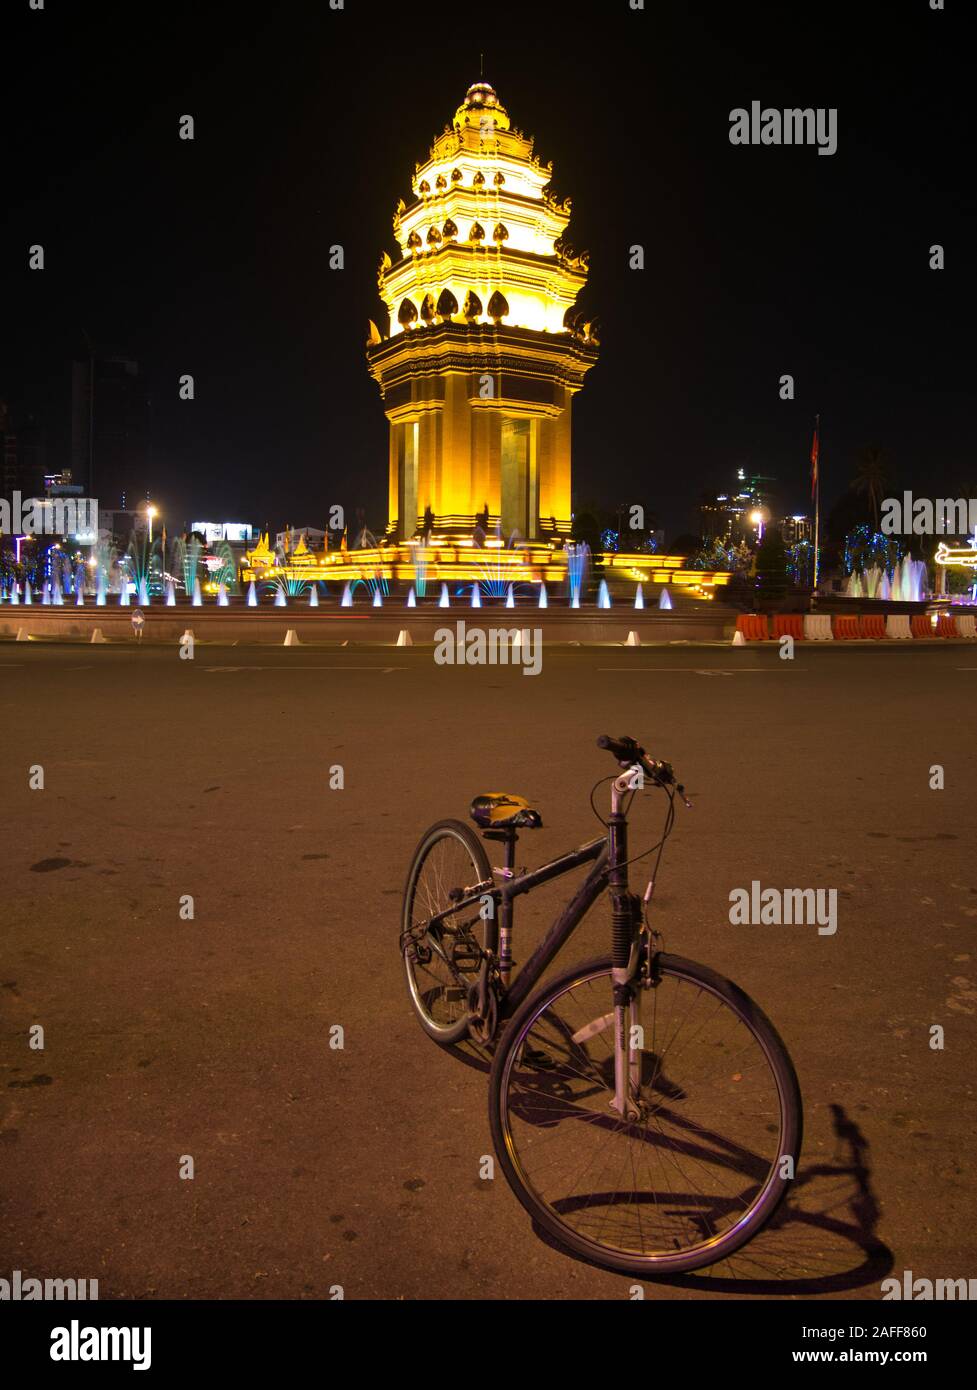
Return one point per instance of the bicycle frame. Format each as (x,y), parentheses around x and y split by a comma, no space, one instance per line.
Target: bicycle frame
(499,929)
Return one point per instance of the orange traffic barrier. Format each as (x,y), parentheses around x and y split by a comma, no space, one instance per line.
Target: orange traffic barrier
(946,626)
(789,625)
(872,625)
(846,626)
(753,626)
(921,626)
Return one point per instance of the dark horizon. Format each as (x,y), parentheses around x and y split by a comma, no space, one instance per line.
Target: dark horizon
(210,257)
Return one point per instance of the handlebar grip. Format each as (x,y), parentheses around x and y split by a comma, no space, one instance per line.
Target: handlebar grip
(624,749)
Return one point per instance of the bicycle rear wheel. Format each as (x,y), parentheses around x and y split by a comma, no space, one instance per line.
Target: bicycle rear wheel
(703,1167)
(448,864)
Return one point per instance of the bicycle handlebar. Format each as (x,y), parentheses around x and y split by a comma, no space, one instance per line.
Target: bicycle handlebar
(627,752)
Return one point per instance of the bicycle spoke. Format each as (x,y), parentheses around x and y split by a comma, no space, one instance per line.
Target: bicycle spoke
(706,1140)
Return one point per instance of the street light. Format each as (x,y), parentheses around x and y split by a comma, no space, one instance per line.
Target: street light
(151,511)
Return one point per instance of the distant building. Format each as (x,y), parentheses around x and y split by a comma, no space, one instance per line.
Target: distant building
(738,515)
(235,532)
(21,453)
(796,528)
(121,524)
(110,428)
(288,540)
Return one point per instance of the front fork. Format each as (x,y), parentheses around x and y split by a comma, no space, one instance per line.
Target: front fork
(628,1035)
(626,920)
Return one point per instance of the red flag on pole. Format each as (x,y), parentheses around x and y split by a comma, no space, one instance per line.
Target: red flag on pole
(814,461)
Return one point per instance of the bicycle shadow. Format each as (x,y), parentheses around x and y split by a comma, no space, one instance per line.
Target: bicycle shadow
(806,1248)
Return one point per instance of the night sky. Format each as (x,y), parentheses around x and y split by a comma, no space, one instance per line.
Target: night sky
(210,257)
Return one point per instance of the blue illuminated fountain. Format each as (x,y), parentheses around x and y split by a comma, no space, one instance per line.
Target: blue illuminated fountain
(578,563)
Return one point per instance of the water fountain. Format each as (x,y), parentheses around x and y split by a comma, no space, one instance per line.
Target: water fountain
(170,593)
(28,592)
(190,556)
(313,596)
(226,572)
(639,598)
(252,595)
(198,597)
(420,554)
(603,597)
(411,599)
(908,582)
(444,601)
(665,599)
(510,600)
(222,595)
(377,597)
(578,561)
(280,600)
(476,597)
(543,600)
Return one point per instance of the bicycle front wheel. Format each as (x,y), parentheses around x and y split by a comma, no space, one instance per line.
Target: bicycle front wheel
(712,1150)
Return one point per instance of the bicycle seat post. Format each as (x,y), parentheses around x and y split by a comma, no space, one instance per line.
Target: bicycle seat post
(508,836)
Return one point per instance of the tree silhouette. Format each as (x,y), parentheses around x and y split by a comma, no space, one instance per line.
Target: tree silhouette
(870,478)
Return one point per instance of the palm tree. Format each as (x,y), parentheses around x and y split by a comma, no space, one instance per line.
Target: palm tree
(870,478)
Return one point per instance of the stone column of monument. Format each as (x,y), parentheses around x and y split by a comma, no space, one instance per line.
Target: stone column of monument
(484,350)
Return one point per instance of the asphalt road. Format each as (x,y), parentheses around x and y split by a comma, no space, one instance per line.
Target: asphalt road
(316,1166)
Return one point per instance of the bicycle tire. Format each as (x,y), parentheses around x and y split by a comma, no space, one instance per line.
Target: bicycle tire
(440,831)
(664,1263)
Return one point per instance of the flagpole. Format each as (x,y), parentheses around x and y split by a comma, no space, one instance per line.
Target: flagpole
(817,504)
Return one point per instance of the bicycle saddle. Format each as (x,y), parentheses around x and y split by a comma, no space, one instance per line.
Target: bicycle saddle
(497,810)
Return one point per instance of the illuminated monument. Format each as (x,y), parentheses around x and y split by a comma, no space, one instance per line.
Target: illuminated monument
(477,370)
(484,351)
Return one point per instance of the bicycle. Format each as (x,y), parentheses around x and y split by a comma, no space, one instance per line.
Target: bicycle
(630,1126)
